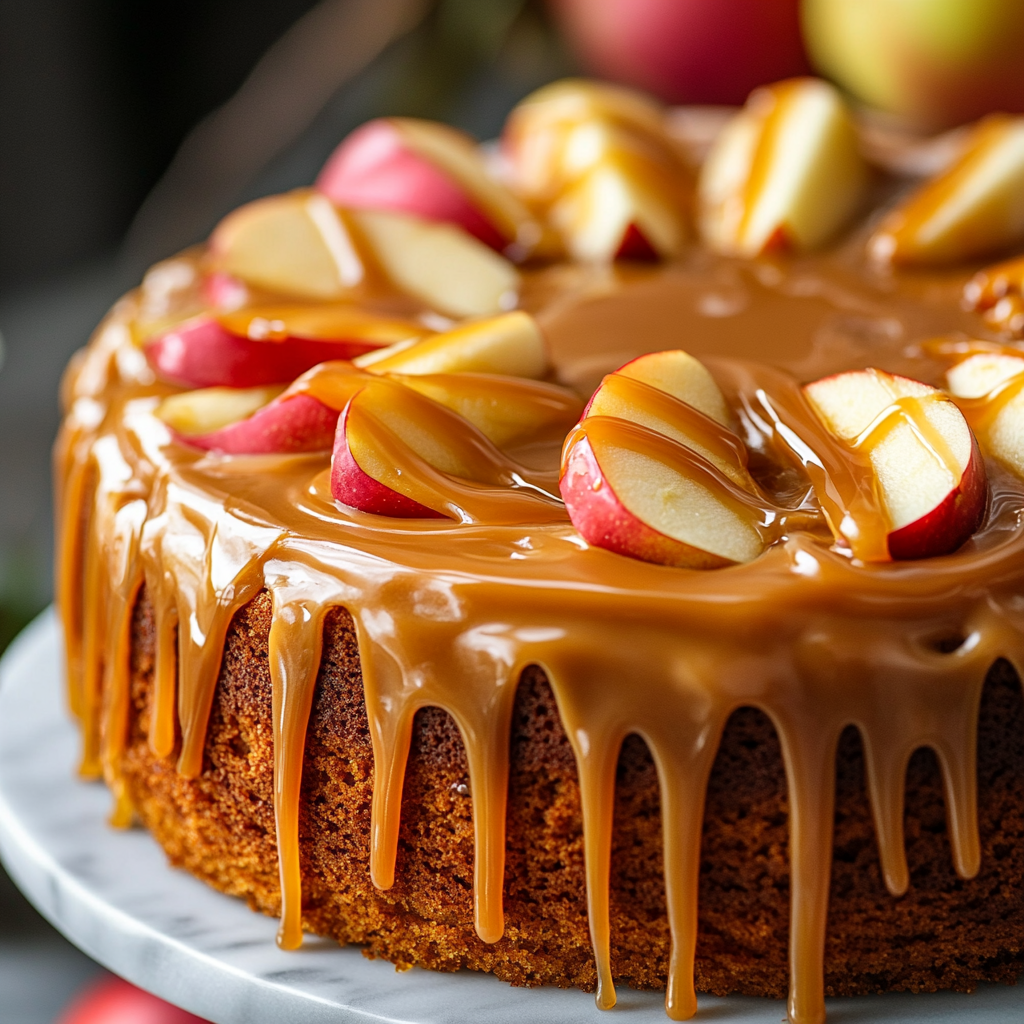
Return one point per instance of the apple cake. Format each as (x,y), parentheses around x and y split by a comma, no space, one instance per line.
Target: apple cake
(598,560)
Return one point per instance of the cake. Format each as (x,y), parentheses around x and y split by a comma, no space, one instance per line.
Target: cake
(597,562)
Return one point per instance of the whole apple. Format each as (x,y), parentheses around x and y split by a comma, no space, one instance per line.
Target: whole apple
(113,1001)
(687,51)
(936,62)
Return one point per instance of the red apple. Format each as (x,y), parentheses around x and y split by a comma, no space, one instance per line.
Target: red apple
(293,423)
(636,492)
(687,51)
(940,62)
(265,346)
(429,170)
(922,455)
(114,1001)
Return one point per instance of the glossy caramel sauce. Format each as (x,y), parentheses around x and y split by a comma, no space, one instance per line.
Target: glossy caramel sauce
(449,611)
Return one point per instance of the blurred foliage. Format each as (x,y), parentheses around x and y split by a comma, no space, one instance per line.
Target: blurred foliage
(461,40)
(19,603)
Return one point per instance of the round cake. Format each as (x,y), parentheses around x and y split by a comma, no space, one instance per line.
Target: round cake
(595,560)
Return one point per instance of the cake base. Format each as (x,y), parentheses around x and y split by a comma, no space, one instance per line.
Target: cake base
(112,894)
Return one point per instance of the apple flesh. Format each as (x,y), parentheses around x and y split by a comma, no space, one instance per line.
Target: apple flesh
(511,344)
(388,433)
(939,63)
(598,161)
(983,379)
(972,209)
(682,376)
(296,244)
(627,398)
(431,171)
(784,174)
(925,461)
(638,493)
(688,51)
(243,350)
(249,422)
(439,264)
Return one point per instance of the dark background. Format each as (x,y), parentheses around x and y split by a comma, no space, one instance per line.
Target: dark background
(99,108)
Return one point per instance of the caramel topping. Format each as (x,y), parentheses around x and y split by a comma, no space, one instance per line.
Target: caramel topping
(449,611)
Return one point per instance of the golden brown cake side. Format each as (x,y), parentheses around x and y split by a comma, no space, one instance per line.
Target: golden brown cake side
(944,933)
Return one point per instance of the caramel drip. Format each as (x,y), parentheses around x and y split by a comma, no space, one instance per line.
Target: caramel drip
(448,614)
(776,409)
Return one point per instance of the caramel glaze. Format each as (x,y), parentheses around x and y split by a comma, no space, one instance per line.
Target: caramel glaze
(450,611)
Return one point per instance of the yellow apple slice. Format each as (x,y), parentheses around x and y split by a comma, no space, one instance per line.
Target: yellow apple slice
(971,209)
(208,409)
(511,345)
(296,244)
(439,264)
(785,173)
(990,387)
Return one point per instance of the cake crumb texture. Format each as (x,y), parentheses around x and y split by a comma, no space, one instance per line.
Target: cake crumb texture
(945,933)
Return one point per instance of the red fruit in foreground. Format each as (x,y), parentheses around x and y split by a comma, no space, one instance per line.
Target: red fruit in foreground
(114,1001)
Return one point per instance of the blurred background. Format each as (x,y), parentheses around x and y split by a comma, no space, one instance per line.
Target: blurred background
(128,129)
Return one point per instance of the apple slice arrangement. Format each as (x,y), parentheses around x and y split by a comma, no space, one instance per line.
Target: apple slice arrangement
(653,471)
(369,316)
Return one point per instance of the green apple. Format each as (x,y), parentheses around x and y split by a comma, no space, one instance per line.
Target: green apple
(936,62)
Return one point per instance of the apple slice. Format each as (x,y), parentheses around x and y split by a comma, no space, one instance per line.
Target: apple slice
(511,345)
(637,492)
(990,387)
(998,292)
(599,161)
(683,377)
(269,345)
(387,434)
(784,174)
(439,264)
(251,421)
(628,398)
(921,454)
(973,208)
(431,171)
(297,244)
(506,410)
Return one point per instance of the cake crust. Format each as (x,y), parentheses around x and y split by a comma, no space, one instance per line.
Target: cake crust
(944,933)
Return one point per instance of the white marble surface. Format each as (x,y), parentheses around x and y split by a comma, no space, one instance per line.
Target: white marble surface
(113,894)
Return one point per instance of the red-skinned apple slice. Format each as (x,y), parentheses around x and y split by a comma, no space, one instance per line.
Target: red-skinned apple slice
(927,470)
(683,377)
(431,171)
(268,346)
(628,398)
(252,421)
(419,450)
(989,388)
(598,160)
(636,492)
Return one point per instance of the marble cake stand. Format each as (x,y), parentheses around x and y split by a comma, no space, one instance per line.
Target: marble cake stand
(113,894)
